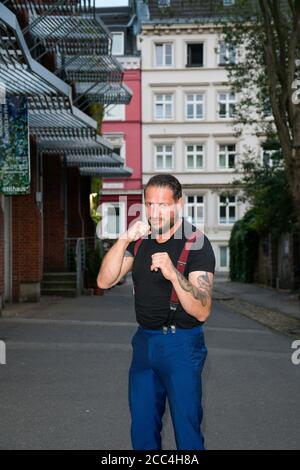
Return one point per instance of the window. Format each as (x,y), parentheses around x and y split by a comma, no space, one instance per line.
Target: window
(227,156)
(163,3)
(224,256)
(195,55)
(163,156)
(117,43)
(114,112)
(118,143)
(111,3)
(227,209)
(271,155)
(227,54)
(194,209)
(226,104)
(163,55)
(194,156)
(164,106)
(113,221)
(195,106)
(228,3)
(266,108)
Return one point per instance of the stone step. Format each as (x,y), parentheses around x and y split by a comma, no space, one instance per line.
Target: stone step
(59,276)
(59,292)
(59,284)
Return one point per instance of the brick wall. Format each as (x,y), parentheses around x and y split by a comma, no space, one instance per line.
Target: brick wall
(27,257)
(54,232)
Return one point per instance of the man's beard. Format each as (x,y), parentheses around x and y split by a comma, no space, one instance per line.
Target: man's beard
(165,227)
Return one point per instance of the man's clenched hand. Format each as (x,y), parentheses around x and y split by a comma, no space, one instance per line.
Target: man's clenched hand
(137,230)
(163,262)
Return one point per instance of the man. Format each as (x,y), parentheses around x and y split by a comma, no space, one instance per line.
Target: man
(166,362)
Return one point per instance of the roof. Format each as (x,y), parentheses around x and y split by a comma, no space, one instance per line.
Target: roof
(191,11)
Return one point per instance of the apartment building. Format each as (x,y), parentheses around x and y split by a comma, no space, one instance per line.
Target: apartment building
(187,114)
(120,197)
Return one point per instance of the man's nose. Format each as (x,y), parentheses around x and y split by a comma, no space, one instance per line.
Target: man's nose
(155,210)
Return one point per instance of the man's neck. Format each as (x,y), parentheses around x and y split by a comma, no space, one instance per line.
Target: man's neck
(163,237)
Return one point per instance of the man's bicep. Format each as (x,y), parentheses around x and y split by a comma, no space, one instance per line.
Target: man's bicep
(203,280)
(126,266)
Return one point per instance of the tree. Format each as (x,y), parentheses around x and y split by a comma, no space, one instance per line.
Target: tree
(267,74)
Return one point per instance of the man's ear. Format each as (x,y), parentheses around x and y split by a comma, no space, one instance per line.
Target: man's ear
(180,203)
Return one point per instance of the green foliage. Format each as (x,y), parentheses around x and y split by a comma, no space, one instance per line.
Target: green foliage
(243,245)
(96,186)
(266,188)
(93,262)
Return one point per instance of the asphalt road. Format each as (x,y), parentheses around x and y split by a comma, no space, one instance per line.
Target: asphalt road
(64,384)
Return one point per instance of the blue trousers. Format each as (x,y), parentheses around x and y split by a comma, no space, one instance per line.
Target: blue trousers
(166,366)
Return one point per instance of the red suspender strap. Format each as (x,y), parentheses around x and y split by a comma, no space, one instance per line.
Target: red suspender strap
(181,263)
(137,245)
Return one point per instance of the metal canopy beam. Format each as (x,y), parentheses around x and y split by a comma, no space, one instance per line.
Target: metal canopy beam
(111,94)
(71,24)
(107,172)
(19,72)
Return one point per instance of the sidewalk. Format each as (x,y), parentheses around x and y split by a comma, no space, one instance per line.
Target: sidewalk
(277,309)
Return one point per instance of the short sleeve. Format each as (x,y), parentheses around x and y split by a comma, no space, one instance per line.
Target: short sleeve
(129,250)
(202,259)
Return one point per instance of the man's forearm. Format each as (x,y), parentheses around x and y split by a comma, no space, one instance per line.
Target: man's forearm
(112,262)
(196,301)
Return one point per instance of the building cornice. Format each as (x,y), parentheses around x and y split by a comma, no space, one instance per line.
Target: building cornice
(159,28)
(174,123)
(129,62)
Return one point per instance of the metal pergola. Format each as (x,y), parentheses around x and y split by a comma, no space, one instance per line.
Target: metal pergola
(59,127)
(107,172)
(81,42)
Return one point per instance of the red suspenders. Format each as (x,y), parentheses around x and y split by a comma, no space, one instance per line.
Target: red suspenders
(174,302)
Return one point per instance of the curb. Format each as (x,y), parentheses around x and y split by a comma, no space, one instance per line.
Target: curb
(272,319)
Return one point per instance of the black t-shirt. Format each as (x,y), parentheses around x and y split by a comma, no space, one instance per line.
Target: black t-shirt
(152,290)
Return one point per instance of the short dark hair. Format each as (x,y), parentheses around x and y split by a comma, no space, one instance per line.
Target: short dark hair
(166,180)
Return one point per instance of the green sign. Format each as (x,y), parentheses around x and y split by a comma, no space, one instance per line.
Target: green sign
(14,146)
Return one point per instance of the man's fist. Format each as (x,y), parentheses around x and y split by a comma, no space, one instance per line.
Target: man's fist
(137,230)
(162,260)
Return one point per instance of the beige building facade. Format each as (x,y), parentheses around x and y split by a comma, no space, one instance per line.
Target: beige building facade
(187,124)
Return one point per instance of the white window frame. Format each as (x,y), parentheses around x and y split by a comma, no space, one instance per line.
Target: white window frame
(117,140)
(227,153)
(269,152)
(194,102)
(223,268)
(194,153)
(228,101)
(122,224)
(120,117)
(227,54)
(227,204)
(118,33)
(164,103)
(164,44)
(164,153)
(194,204)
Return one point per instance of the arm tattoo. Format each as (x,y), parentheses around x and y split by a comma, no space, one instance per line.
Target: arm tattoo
(127,254)
(203,290)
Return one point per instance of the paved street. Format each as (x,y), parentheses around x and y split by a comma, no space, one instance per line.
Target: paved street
(65,382)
